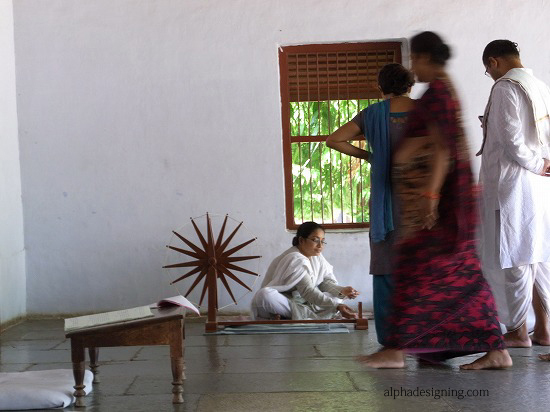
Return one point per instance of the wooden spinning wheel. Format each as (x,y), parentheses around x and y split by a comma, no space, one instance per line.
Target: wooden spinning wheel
(212,260)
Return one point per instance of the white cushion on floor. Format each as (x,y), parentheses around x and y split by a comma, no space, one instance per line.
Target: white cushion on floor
(39,389)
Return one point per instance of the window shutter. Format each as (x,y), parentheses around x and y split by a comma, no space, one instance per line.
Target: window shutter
(316,73)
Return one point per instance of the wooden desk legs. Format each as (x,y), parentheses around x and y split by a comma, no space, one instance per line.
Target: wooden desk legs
(176,357)
(177,383)
(79,367)
(169,332)
(94,353)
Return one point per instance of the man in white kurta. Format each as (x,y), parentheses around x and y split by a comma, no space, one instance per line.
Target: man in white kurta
(515,203)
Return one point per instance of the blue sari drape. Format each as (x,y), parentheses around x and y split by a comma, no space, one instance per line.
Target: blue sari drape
(376,128)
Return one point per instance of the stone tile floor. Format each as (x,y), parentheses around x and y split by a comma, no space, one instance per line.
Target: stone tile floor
(310,372)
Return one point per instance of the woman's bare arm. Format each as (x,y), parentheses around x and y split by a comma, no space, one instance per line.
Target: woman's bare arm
(339,140)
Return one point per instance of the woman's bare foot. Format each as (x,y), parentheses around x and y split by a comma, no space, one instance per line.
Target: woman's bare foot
(545,357)
(385,359)
(519,338)
(495,359)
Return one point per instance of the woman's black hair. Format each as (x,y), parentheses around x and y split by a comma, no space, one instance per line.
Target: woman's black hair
(430,43)
(394,78)
(499,48)
(304,230)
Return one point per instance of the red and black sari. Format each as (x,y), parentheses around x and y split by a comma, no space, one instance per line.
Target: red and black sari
(442,303)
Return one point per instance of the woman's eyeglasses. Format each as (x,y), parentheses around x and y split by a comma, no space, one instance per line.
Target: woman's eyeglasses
(318,241)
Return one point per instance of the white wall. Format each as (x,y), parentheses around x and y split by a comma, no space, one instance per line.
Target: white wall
(136,115)
(12,253)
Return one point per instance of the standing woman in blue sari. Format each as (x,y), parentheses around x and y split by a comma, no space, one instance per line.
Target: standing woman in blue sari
(383,125)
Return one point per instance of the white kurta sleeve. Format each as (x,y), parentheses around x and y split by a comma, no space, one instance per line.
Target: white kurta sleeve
(330,286)
(505,106)
(312,294)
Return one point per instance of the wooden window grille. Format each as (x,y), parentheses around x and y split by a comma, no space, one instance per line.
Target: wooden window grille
(323,86)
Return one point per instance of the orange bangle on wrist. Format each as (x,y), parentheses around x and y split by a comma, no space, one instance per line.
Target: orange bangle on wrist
(431,195)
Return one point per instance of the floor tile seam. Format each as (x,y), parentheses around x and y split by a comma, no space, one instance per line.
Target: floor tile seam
(133,358)
(239,344)
(315,357)
(353,383)
(318,351)
(289,358)
(61,343)
(7,347)
(260,344)
(35,363)
(40,339)
(127,390)
(453,407)
(223,366)
(244,391)
(39,350)
(225,372)
(28,340)
(254,344)
(255,393)
(30,366)
(161,376)
(263,373)
(19,340)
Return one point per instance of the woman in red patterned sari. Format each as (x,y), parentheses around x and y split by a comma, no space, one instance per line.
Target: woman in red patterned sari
(443,307)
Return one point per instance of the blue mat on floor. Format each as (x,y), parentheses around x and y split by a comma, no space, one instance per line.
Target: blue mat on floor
(285,328)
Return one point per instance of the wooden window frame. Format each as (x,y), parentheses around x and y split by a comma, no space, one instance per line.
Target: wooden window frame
(371,93)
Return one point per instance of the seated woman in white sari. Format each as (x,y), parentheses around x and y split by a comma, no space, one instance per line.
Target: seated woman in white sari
(299,284)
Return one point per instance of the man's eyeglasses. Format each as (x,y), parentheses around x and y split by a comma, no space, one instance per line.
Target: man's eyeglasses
(486,72)
(318,241)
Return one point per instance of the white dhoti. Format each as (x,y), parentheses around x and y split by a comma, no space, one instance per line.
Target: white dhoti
(512,287)
(513,291)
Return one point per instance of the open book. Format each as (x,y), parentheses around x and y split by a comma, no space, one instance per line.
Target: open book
(178,300)
(106,318)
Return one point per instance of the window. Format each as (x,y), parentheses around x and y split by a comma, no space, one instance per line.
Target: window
(323,86)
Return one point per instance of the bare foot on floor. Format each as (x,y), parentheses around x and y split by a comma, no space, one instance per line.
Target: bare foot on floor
(385,359)
(517,339)
(545,357)
(541,340)
(495,359)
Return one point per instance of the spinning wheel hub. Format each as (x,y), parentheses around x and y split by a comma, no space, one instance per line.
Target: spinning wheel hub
(212,254)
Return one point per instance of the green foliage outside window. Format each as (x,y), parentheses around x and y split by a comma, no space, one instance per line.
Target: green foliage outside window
(328,186)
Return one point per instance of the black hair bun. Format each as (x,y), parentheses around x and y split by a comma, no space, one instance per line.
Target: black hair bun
(444,52)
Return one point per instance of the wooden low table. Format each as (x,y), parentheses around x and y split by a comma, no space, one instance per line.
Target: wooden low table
(165,328)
